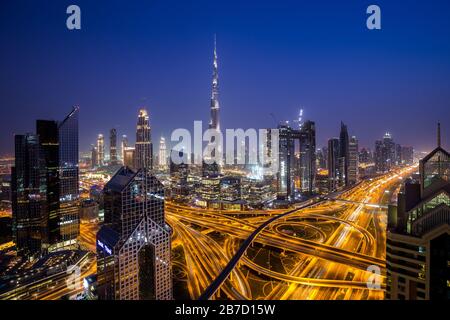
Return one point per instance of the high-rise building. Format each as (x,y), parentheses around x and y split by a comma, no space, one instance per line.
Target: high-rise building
(418,238)
(128,157)
(143,153)
(100,150)
(45,198)
(28,182)
(365,156)
(307,157)
(344,156)
(215,108)
(162,153)
(69,205)
(94,157)
(113,147)
(286,167)
(385,154)
(353,163)
(134,244)
(124,145)
(407,156)
(333,164)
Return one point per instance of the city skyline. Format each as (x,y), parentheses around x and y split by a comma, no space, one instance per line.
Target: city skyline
(379,86)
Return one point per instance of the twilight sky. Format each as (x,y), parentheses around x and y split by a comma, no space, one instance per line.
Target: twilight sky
(274,57)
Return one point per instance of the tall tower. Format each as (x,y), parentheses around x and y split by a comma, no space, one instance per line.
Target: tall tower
(162,153)
(101,150)
(344,155)
(308,157)
(124,145)
(144,148)
(113,146)
(215,108)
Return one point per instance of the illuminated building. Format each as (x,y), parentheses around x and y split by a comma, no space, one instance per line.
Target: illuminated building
(113,147)
(231,193)
(385,155)
(94,157)
(257,193)
(128,157)
(124,145)
(179,172)
(418,238)
(353,162)
(365,156)
(286,168)
(100,150)
(143,153)
(89,210)
(134,244)
(333,164)
(45,198)
(344,156)
(308,157)
(69,205)
(208,192)
(162,153)
(407,155)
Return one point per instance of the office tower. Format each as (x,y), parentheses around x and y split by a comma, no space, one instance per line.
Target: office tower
(385,155)
(418,238)
(162,153)
(94,157)
(333,164)
(124,145)
(344,156)
(134,245)
(101,150)
(143,153)
(364,156)
(322,158)
(113,147)
(353,163)
(398,154)
(179,173)
(69,205)
(47,131)
(45,196)
(308,157)
(407,155)
(28,197)
(286,168)
(128,157)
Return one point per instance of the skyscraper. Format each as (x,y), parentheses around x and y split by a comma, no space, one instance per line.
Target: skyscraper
(286,168)
(113,146)
(69,205)
(124,145)
(100,150)
(45,197)
(353,163)
(162,153)
(385,153)
(94,157)
(134,245)
(418,238)
(215,108)
(344,156)
(308,157)
(143,154)
(28,197)
(333,164)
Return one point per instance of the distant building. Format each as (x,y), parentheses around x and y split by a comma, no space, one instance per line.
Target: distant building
(113,147)
(407,155)
(128,157)
(89,211)
(286,166)
(94,157)
(123,146)
(100,150)
(134,244)
(143,153)
(353,163)
(344,156)
(162,153)
(333,164)
(308,157)
(418,238)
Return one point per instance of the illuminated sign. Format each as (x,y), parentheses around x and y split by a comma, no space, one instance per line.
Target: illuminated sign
(104,247)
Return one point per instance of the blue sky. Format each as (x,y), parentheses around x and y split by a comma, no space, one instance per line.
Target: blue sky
(274,57)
